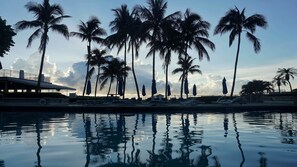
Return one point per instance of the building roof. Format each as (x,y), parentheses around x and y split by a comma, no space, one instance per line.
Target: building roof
(18,83)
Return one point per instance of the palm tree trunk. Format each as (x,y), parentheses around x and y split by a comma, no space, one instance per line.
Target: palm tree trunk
(88,66)
(133,71)
(187,95)
(38,90)
(166,82)
(279,89)
(109,87)
(97,80)
(125,60)
(154,64)
(235,68)
(290,85)
(181,86)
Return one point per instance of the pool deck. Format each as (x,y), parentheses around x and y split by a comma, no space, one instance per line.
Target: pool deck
(109,108)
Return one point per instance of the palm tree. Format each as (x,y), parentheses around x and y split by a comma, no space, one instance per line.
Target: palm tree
(170,41)
(236,22)
(89,31)
(279,80)
(48,17)
(287,73)
(121,26)
(97,59)
(137,35)
(115,69)
(154,16)
(186,67)
(195,33)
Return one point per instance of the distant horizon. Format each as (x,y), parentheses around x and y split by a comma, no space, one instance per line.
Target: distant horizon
(65,62)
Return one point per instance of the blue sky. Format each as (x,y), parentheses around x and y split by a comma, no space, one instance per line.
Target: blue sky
(279,42)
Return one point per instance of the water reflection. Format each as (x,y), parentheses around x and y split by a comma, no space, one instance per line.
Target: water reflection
(152,139)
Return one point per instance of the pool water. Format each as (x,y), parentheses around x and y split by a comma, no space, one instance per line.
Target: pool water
(250,139)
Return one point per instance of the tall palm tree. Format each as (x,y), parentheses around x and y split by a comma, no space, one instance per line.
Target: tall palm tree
(287,73)
(121,26)
(236,22)
(97,59)
(186,67)
(89,31)
(154,16)
(137,35)
(169,42)
(279,80)
(194,32)
(114,70)
(48,17)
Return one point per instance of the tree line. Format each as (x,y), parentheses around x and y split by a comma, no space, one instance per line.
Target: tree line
(146,24)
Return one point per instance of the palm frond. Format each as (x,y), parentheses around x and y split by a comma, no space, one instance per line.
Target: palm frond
(35,35)
(255,41)
(60,28)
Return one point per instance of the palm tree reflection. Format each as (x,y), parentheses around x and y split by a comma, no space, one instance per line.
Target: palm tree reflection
(226,121)
(238,141)
(2,163)
(38,127)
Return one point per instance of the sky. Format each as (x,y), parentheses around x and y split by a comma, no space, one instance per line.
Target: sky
(65,62)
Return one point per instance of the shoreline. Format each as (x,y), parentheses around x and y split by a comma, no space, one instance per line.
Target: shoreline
(138,108)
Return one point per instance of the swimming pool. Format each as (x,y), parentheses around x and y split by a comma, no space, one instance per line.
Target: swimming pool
(148,139)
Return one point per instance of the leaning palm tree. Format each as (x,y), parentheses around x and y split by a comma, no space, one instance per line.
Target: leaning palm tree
(186,67)
(48,17)
(114,69)
(89,31)
(279,81)
(97,59)
(287,73)
(194,32)
(120,25)
(236,22)
(154,16)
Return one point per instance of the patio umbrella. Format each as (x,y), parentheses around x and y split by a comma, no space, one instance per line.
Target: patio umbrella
(194,90)
(154,88)
(186,88)
(168,90)
(143,90)
(120,87)
(225,90)
(89,87)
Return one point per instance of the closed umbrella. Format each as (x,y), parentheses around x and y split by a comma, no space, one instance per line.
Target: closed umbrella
(168,90)
(194,90)
(154,88)
(225,90)
(89,87)
(186,88)
(143,90)
(120,87)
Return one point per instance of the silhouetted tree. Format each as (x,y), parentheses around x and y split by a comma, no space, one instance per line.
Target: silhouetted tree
(186,67)
(256,87)
(153,16)
(279,80)
(97,59)
(6,41)
(48,18)
(194,31)
(287,73)
(236,22)
(89,31)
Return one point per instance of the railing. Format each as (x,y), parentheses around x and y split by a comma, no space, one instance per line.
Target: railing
(17,74)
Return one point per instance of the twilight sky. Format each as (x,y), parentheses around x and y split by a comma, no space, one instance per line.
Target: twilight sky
(65,63)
